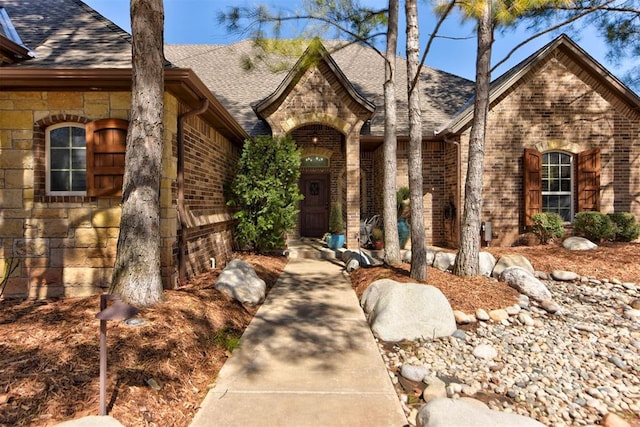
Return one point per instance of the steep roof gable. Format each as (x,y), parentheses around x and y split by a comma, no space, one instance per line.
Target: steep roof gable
(566,45)
(315,53)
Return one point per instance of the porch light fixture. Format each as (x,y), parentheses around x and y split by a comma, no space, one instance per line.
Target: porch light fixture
(119,310)
(314,139)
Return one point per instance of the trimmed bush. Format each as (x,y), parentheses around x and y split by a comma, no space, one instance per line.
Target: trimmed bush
(547,226)
(595,226)
(627,227)
(265,192)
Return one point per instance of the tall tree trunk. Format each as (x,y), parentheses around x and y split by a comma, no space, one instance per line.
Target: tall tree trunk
(136,275)
(390,213)
(467,260)
(418,246)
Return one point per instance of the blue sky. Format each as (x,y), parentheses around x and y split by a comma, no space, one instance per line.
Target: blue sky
(195,22)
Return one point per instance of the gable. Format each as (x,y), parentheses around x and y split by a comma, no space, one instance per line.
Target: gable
(569,63)
(316,85)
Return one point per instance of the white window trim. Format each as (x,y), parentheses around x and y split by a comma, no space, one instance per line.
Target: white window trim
(48,156)
(573,182)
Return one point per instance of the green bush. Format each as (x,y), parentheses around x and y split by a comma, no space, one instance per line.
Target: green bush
(547,226)
(627,227)
(594,226)
(265,192)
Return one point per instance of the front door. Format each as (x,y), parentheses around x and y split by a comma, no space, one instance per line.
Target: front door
(314,209)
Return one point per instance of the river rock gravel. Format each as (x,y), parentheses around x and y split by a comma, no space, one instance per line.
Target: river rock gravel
(567,368)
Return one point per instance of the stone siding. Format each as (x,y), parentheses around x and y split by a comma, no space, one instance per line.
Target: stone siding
(66,245)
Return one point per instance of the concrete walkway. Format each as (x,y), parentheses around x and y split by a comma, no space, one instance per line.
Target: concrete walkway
(308,358)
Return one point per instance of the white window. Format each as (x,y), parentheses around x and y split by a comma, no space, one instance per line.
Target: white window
(557,184)
(66,159)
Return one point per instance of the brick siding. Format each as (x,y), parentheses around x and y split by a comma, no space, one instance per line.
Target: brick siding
(557,106)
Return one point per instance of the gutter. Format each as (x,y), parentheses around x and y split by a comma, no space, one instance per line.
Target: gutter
(182,214)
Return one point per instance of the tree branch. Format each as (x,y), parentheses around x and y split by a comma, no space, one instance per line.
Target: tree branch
(548,30)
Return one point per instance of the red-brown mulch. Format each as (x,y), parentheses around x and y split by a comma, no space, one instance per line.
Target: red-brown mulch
(49,349)
(49,355)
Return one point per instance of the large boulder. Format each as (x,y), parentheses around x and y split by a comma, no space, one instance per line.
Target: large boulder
(407,311)
(576,243)
(445,412)
(240,281)
(444,261)
(507,261)
(526,283)
(430,254)
(486,263)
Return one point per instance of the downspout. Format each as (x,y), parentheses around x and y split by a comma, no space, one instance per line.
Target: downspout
(182,215)
(458,179)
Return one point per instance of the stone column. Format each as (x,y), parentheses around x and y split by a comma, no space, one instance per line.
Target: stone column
(352,157)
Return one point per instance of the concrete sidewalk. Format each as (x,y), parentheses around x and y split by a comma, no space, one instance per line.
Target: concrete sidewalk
(308,358)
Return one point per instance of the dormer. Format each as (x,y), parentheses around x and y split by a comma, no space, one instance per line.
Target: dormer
(12,50)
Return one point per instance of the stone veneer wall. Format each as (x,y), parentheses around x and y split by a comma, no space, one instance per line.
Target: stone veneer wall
(66,246)
(557,107)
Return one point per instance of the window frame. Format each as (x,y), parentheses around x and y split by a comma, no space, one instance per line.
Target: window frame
(572,182)
(48,169)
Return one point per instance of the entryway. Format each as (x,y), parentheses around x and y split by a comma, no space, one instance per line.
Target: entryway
(314,209)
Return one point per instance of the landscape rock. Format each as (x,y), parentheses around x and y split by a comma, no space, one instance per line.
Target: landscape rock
(364,259)
(482,315)
(352,265)
(525,318)
(484,351)
(461,317)
(486,263)
(507,261)
(524,281)
(436,389)
(398,311)
(414,372)
(498,315)
(550,306)
(575,243)
(444,261)
(430,256)
(240,281)
(564,276)
(458,412)
(613,420)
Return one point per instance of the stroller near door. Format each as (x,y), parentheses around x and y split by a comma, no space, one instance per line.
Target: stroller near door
(366,227)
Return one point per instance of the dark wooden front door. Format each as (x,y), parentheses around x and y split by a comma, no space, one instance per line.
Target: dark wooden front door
(314,209)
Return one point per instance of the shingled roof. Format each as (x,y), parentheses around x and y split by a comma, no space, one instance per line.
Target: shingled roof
(222,68)
(68,34)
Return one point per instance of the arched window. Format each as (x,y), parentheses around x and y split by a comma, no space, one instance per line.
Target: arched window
(66,147)
(315,161)
(557,184)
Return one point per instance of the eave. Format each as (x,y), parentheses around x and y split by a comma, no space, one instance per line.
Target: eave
(13,51)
